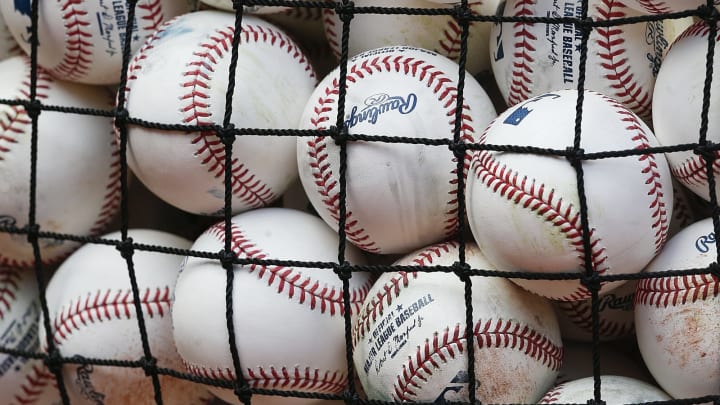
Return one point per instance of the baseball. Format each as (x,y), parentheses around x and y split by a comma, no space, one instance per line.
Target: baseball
(83,40)
(288,320)
(78,170)
(92,311)
(676,316)
(614,390)
(677,106)
(22,380)
(8,46)
(438,33)
(227,5)
(530,59)
(532,200)
(666,6)
(616,315)
(410,337)
(180,76)
(393,91)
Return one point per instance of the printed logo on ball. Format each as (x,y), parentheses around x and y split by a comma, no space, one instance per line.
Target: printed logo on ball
(20,334)
(520,113)
(705,242)
(379,104)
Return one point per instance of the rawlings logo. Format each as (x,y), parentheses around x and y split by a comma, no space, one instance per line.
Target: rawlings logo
(655,37)
(702,243)
(379,104)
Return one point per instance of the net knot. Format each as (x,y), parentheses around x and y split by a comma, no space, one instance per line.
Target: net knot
(707,151)
(149,365)
(462,270)
(242,392)
(227,258)
(591,282)
(33,108)
(339,136)
(33,232)
(126,248)
(574,155)
(462,14)
(343,271)
(53,361)
(227,134)
(346,12)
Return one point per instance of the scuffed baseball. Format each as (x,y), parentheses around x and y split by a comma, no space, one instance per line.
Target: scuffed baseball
(614,390)
(92,315)
(677,106)
(23,380)
(173,83)
(78,165)
(83,40)
(531,59)
(400,197)
(676,316)
(532,200)
(410,339)
(288,321)
(438,33)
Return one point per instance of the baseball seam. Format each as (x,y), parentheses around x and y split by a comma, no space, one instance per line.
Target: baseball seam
(330,28)
(77,56)
(553,395)
(658,207)
(580,314)
(295,378)
(495,333)
(326,183)
(654,7)
(34,385)
(153,15)
(676,290)
(287,280)
(613,58)
(523,49)
(693,171)
(9,289)
(375,307)
(108,305)
(528,194)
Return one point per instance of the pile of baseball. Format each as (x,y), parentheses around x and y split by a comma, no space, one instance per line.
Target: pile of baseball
(527,200)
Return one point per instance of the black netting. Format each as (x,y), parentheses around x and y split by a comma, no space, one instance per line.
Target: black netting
(454,148)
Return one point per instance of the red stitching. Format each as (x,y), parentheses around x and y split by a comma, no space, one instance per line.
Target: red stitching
(36,381)
(375,307)
(676,290)
(553,395)
(304,13)
(153,15)
(524,191)
(613,58)
(523,48)
(580,313)
(76,60)
(210,150)
(107,305)
(328,186)
(692,171)
(9,287)
(330,28)
(450,40)
(654,7)
(289,281)
(658,208)
(497,333)
(283,378)
(111,199)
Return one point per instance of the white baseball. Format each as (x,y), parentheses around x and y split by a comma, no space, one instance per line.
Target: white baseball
(438,33)
(410,339)
(288,321)
(676,316)
(677,106)
(614,390)
(578,363)
(666,6)
(78,170)
(83,40)
(616,315)
(227,5)
(92,311)
(622,61)
(532,200)
(22,380)
(174,83)
(400,197)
